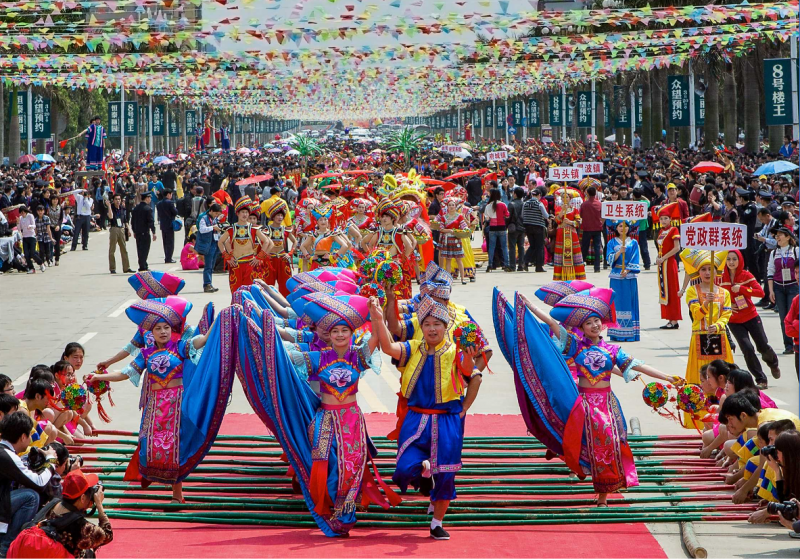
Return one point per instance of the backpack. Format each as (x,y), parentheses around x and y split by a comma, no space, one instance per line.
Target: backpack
(39,537)
(185,206)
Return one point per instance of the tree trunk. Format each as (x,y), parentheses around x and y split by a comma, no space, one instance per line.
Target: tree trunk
(752,118)
(13,129)
(729,125)
(711,126)
(647,112)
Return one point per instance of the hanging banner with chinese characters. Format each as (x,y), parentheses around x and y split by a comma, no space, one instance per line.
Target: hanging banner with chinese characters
(564,174)
(489,120)
(158,120)
(714,236)
(191,122)
(555,109)
(623,210)
(114,127)
(622,103)
(639,105)
(533,113)
(516,111)
(144,119)
(41,117)
(606,112)
(476,119)
(570,111)
(584,108)
(699,109)
(130,120)
(778,91)
(678,100)
(174,124)
(500,121)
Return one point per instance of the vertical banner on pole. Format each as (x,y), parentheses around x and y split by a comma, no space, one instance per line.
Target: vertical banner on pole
(22,112)
(555,109)
(606,113)
(678,100)
(174,125)
(144,119)
(623,112)
(41,117)
(639,90)
(489,120)
(476,119)
(500,121)
(699,109)
(569,111)
(158,120)
(131,125)
(534,120)
(516,112)
(191,121)
(114,119)
(584,108)
(778,91)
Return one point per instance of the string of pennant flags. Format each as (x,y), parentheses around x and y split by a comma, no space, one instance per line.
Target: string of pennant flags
(336,81)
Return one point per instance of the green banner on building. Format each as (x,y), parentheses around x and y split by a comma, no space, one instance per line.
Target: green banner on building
(678,100)
(606,112)
(778,91)
(159,123)
(570,112)
(699,109)
(174,125)
(622,102)
(534,120)
(500,121)
(114,126)
(41,117)
(585,108)
(555,109)
(516,112)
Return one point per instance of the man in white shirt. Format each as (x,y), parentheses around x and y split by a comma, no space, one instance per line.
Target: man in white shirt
(18,507)
(83,218)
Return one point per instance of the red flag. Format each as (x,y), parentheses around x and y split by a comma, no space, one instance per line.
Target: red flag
(62,144)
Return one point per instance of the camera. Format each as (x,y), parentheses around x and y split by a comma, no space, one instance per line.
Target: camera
(787,509)
(75,460)
(91,492)
(769,451)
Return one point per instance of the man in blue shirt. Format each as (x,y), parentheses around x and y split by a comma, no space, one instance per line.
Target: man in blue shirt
(157,188)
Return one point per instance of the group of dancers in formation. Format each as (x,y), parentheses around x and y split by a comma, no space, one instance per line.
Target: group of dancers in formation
(300,343)
(340,228)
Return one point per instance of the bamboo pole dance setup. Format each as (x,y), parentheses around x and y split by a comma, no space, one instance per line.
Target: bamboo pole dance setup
(505,481)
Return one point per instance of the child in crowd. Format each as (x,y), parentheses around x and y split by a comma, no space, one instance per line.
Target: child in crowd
(190,259)
(8,404)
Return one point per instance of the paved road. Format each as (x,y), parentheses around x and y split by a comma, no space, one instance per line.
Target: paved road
(80,301)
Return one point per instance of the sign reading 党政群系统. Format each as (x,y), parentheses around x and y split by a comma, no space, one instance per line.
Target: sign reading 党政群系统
(714,236)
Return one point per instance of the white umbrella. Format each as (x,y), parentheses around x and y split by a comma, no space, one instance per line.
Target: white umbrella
(612,138)
(182,157)
(243,151)
(508,148)
(45,158)
(165,161)
(292,153)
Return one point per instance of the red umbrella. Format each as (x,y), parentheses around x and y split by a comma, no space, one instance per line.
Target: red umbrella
(447,186)
(254,179)
(432,181)
(356,172)
(27,158)
(708,167)
(465,174)
(325,175)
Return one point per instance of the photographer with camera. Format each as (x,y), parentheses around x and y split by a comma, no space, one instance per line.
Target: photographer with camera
(63,525)
(18,506)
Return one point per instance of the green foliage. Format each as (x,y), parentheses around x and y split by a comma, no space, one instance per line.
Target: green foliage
(405,140)
(306,145)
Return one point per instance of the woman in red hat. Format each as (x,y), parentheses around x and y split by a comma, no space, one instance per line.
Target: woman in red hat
(669,245)
(244,247)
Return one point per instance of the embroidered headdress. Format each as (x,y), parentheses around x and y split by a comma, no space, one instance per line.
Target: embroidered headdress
(172,310)
(553,292)
(575,309)
(155,284)
(328,311)
(429,307)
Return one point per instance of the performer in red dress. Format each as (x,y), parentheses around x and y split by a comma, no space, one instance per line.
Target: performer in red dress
(278,267)
(243,246)
(669,245)
(391,237)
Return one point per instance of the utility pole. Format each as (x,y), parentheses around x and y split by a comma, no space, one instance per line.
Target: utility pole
(693,129)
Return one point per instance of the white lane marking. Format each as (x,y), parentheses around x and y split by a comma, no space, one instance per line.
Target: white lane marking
(86,338)
(780,402)
(372,399)
(174,269)
(121,309)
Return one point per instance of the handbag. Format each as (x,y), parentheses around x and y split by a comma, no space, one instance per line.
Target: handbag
(177,224)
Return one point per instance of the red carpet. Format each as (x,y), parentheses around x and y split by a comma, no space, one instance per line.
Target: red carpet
(139,539)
